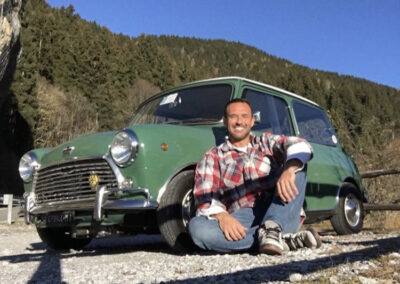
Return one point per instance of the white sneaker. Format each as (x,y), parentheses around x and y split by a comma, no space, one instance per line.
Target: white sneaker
(270,239)
(309,238)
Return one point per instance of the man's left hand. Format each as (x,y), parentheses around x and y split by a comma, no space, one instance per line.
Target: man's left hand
(286,187)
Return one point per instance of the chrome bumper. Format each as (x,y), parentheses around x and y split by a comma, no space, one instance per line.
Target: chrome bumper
(100,203)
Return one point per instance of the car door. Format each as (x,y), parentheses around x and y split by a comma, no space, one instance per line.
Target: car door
(329,166)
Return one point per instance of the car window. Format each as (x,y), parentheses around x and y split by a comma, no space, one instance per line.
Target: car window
(274,114)
(198,104)
(314,125)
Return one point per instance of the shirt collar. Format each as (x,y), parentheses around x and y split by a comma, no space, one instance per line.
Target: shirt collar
(227,145)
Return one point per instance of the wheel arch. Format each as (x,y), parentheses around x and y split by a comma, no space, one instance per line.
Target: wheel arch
(187,167)
(346,182)
(352,181)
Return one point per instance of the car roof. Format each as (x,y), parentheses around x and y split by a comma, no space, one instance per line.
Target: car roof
(257,83)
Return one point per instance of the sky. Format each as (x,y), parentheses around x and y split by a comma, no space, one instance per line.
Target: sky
(360,38)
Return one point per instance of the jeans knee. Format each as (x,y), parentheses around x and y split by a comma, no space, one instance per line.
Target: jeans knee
(199,232)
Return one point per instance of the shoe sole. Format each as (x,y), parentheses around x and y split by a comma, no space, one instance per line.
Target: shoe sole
(316,236)
(270,250)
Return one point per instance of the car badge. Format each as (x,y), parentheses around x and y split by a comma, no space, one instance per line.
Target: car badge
(68,150)
(94,180)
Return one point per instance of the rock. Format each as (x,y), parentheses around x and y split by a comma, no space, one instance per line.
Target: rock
(365,280)
(9,50)
(10,28)
(333,279)
(295,277)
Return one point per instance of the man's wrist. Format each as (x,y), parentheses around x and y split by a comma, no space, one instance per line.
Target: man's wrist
(219,216)
(293,165)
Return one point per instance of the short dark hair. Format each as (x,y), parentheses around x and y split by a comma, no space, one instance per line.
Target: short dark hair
(237,100)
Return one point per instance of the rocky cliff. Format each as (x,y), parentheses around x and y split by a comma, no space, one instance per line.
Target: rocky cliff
(9,50)
(9,33)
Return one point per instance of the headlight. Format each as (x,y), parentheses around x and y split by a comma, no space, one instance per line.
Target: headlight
(27,165)
(124,148)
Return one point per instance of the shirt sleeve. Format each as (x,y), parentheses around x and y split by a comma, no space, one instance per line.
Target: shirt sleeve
(207,178)
(215,207)
(301,151)
(285,148)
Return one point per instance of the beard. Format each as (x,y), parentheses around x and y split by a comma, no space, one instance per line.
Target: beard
(234,137)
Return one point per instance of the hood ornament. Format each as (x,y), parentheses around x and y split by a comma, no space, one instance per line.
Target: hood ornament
(68,150)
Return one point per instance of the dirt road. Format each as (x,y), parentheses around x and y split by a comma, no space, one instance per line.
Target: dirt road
(362,258)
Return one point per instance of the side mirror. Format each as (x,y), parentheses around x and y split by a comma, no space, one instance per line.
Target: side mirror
(257,117)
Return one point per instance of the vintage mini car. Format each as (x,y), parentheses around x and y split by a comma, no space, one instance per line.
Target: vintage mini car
(140,179)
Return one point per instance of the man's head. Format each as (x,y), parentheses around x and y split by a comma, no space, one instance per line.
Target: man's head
(238,119)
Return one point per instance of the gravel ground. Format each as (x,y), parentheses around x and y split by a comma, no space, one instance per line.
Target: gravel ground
(363,258)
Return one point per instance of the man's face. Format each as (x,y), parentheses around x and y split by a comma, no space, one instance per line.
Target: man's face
(239,122)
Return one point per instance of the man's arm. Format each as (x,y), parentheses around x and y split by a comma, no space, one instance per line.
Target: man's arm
(207,179)
(294,152)
(286,187)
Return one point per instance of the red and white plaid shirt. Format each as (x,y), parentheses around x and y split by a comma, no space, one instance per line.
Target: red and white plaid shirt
(228,179)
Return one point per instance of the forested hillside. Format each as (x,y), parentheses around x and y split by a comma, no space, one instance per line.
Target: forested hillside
(74,76)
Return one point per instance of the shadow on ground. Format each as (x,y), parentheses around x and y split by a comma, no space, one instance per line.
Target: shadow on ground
(50,261)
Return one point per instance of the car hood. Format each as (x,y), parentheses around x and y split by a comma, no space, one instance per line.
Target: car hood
(84,146)
(151,136)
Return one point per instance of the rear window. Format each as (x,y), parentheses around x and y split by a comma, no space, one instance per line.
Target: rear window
(314,125)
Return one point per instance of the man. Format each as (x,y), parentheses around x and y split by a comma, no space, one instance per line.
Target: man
(233,181)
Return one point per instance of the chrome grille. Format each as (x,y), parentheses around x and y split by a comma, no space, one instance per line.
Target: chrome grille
(70,181)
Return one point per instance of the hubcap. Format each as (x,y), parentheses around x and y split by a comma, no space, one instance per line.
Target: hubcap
(188,208)
(352,210)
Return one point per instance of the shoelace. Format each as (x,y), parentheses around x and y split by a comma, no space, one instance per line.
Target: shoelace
(273,233)
(294,241)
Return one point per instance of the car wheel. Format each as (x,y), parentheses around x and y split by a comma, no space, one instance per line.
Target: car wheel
(350,214)
(60,239)
(175,211)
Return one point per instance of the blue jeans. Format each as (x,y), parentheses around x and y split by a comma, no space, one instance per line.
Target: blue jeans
(207,234)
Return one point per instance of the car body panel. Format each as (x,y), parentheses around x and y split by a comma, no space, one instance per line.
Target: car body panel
(325,173)
(89,145)
(186,145)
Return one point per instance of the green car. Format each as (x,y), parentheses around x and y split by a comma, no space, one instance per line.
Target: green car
(140,179)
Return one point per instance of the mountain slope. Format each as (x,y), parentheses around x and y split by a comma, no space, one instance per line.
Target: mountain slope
(87,60)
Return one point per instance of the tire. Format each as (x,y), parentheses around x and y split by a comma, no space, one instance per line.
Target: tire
(175,210)
(60,239)
(349,217)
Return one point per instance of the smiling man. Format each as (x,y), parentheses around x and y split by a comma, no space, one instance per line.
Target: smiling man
(234,185)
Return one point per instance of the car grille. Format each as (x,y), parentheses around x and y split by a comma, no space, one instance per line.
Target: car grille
(70,181)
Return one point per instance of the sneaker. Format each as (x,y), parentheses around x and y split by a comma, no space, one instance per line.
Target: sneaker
(308,238)
(302,216)
(270,239)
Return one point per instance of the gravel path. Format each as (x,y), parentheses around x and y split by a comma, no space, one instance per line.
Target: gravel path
(362,258)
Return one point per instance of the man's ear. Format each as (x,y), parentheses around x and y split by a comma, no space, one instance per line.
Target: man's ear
(252,121)
(224,121)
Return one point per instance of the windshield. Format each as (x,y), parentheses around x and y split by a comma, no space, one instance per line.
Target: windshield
(198,104)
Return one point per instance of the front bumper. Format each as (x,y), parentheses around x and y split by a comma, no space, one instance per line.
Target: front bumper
(67,186)
(98,205)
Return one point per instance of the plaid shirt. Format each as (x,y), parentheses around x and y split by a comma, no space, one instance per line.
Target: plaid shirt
(228,179)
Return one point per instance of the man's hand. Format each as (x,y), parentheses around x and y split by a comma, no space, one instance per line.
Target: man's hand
(286,187)
(230,226)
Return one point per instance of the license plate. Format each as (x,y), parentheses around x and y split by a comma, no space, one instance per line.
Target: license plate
(59,219)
